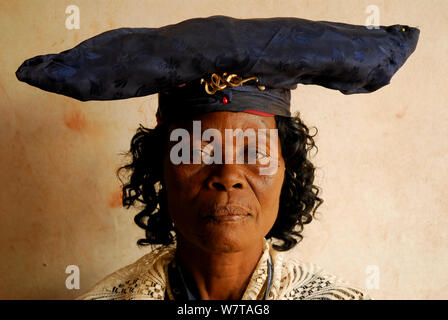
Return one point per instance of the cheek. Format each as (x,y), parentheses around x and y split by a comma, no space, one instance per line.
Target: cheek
(269,187)
(176,197)
(182,186)
(268,192)
(178,182)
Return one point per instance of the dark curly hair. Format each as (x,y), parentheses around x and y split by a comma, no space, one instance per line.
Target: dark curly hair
(143,184)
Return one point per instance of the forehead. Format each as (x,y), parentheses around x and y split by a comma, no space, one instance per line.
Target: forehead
(222,120)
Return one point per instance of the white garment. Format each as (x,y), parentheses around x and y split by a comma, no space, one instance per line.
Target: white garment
(146,279)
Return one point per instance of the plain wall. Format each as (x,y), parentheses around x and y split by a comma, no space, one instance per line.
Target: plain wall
(382,160)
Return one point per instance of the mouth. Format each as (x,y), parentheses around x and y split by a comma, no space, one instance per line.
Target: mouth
(228,213)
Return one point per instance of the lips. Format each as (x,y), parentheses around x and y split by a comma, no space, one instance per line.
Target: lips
(228,213)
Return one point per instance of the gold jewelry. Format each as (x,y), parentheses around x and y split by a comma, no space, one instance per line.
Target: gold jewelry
(218,82)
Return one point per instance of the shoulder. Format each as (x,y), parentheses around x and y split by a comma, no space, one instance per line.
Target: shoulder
(307,281)
(143,279)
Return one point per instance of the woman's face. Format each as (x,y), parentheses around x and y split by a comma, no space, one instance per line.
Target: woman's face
(225,207)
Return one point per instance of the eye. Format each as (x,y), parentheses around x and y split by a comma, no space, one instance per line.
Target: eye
(208,151)
(205,154)
(404,29)
(260,155)
(252,156)
(262,158)
(196,152)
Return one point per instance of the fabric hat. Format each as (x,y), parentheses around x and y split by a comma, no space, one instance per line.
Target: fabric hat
(221,63)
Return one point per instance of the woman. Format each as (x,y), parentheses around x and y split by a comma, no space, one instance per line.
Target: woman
(222,214)
(224,177)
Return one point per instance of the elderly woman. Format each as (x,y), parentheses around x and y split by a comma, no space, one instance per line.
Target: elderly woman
(224,178)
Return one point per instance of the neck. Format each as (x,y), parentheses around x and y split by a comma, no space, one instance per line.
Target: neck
(217,275)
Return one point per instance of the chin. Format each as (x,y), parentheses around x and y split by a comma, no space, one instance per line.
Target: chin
(225,242)
(224,246)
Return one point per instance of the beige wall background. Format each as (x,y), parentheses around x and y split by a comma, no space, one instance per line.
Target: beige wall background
(382,159)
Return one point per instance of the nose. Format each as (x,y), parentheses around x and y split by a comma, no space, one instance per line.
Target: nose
(226,177)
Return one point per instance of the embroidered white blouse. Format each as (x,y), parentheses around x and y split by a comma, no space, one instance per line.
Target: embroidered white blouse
(146,279)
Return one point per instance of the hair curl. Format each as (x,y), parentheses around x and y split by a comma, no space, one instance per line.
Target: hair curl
(299,198)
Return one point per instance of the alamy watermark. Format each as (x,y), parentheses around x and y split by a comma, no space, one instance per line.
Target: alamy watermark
(73,20)
(373,277)
(72,281)
(373,18)
(207,147)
